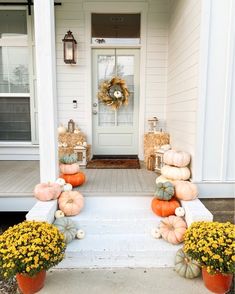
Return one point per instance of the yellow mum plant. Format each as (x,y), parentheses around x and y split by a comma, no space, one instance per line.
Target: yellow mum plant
(30,247)
(212,245)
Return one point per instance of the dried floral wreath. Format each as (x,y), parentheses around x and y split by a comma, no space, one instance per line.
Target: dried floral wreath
(113,93)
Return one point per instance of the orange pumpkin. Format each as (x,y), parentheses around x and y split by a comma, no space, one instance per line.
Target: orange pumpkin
(163,207)
(47,191)
(75,180)
(69,169)
(172,229)
(185,190)
(71,202)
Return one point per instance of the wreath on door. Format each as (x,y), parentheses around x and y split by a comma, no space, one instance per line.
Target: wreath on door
(113,93)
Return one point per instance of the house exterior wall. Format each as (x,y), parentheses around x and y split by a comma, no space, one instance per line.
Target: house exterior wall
(71,80)
(183,63)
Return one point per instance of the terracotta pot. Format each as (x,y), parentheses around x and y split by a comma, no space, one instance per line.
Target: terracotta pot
(217,283)
(31,285)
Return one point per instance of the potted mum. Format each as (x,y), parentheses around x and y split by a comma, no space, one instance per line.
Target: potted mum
(27,250)
(212,245)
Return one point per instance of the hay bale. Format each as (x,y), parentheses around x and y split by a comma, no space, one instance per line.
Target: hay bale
(154,141)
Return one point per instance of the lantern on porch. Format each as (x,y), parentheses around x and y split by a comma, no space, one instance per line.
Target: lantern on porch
(152,123)
(70,45)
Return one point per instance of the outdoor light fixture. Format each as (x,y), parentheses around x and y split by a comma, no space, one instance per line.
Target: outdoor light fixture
(70,45)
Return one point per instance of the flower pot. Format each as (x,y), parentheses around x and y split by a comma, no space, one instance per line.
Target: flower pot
(217,283)
(31,285)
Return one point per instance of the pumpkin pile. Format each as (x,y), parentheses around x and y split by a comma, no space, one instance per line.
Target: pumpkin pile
(177,172)
(70,171)
(164,204)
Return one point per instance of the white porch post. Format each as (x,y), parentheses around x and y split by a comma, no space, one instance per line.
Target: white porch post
(46,87)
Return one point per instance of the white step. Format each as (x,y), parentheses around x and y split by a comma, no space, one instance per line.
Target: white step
(118,234)
(100,251)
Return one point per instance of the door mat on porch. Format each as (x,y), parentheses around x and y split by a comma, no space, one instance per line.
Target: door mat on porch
(113,163)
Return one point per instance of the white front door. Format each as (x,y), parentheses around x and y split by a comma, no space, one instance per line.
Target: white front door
(115,132)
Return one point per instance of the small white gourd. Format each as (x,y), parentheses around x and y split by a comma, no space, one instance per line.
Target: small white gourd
(179,211)
(77,131)
(84,144)
(60,181)
(80,234)
(64,145)
(68,187)
(156,234)
(59,214)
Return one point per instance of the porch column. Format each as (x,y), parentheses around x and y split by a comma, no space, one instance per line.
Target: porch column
(44,24)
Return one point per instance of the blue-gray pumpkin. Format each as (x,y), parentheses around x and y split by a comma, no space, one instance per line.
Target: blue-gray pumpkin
(164,191)
(185,266)
(67,227)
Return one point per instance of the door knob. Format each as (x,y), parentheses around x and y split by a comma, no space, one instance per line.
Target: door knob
(94,112)
(94,104)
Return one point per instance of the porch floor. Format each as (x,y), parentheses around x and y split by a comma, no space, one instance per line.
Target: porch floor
(18,178)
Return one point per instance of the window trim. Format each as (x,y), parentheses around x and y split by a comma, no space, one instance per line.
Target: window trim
(29,43)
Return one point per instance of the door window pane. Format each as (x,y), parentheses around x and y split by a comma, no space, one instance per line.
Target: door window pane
(14,76)
(12,23)
(15,119)
(125,69)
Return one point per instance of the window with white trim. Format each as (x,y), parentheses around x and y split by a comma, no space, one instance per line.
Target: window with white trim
(15,118)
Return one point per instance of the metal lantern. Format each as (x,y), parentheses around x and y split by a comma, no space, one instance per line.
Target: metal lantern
(152,122)
(159,160)
(70,45)
(71,126)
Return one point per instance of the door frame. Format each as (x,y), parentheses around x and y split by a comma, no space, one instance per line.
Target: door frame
(107,7)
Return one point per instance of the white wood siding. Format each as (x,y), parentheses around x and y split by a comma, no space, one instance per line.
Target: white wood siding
(183,62)
(71,79)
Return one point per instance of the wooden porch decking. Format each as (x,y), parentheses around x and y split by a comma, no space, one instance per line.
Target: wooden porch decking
(18,178)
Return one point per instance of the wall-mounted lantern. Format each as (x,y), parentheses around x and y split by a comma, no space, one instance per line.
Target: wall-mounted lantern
(70,45)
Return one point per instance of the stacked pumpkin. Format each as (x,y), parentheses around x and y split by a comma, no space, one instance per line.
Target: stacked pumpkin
(176,171)
(164,204)
(70,171)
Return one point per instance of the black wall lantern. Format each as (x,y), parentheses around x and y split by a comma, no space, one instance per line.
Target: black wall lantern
(70,45)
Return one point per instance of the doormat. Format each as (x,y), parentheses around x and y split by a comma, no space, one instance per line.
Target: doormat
(113,163)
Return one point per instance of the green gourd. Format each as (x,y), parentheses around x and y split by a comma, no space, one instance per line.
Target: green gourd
(67,227)
(68,158)
(164,191)
(185,266)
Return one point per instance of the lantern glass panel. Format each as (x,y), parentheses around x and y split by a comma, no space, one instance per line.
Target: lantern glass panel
(69,51)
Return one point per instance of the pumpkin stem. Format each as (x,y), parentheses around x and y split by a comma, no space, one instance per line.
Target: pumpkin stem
(70,201)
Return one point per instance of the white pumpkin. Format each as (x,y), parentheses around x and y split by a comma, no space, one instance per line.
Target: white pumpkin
(60,181)
(175,173)
(59,213)
(162,179)
(166,147)
(179,211)
(61,129)
(176,158)
(77,131)
(156,234)
(80,234)
(68,187)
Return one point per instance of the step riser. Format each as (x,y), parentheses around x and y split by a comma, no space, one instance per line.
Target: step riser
(120,227)
(100,260)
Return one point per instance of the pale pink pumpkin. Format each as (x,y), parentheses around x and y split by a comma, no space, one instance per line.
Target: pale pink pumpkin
(69,169)
(71,202)
(47,191)
(185,190)
(172,229)
(176,158)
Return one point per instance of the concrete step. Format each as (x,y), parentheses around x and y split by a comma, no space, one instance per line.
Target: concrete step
(102,251)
